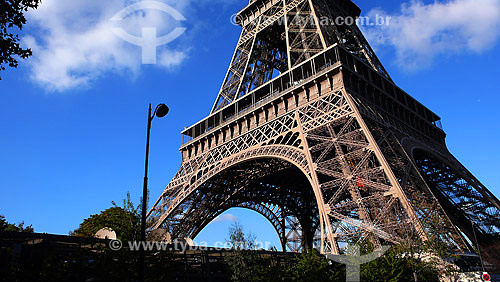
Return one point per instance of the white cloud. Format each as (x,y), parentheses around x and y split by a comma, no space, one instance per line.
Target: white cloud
(420,32)
(73,42)
(169,59)
(226,217)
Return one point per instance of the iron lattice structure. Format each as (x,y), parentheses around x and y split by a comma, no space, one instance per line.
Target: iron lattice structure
(309,130)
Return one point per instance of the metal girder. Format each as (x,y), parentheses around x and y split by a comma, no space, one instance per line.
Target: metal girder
(281,35)
(461,195)
(328,161)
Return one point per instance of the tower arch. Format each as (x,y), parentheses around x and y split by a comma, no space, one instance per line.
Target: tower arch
(266,181)
(316,103)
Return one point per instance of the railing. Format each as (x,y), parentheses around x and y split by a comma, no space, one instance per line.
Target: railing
(296,77)
(284,82)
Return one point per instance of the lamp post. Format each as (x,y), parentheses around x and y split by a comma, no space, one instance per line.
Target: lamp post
(160,111)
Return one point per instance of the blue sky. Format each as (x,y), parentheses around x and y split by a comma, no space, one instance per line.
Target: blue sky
(73,116)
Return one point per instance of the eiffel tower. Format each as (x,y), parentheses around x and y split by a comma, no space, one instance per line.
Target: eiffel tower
(310,131)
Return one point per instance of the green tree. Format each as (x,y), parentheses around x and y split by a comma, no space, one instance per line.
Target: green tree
(402,262)
(396,265)
(129,206)
(5,226)
(238,239)
(246,264)
(311,266)
(125,221)
(12,19)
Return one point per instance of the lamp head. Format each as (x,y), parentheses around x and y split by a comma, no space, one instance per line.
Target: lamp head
(162,110)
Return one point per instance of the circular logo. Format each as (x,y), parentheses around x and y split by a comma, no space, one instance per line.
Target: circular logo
(486,277)
(149,41)
(235,19)
(115,245)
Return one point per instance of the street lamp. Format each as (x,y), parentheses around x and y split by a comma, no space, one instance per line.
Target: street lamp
(160,111)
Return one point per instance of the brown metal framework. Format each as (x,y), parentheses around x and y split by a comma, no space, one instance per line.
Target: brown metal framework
(310,131)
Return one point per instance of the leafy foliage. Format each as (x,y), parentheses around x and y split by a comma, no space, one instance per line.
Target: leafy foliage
(311,266)
(129,206)
(125,221)
(400,263)
(5,226)
(12,17)
(248,265)
(245,264)
(238,239)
